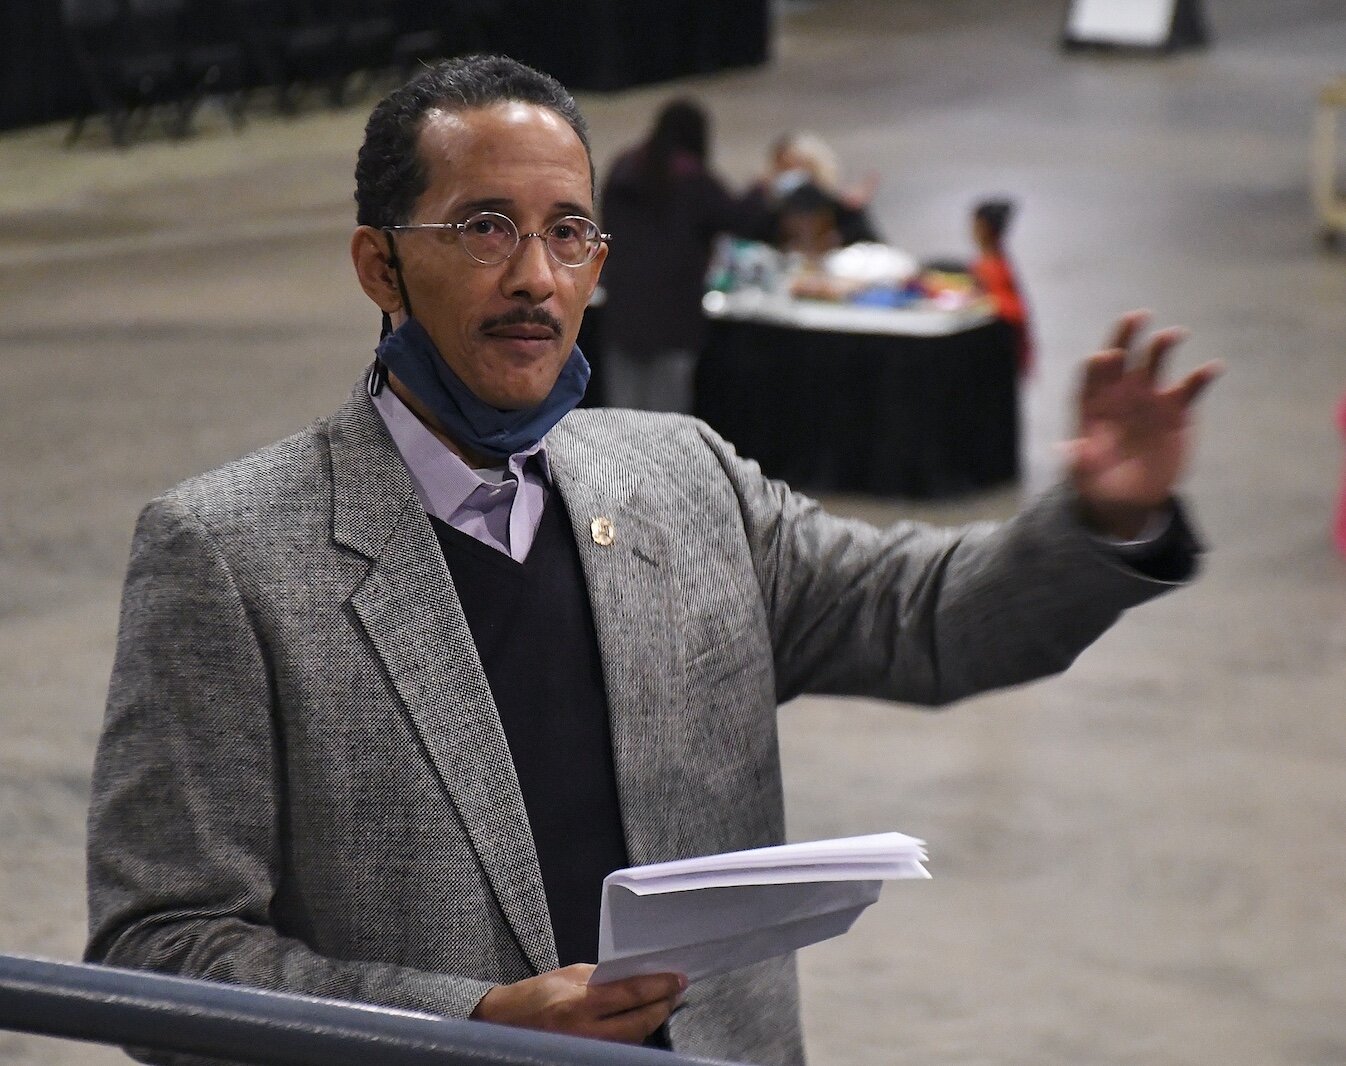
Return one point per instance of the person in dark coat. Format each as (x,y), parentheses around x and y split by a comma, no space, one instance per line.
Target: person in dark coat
(665,207)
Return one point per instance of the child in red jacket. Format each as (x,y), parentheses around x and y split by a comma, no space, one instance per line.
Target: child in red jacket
(995,275)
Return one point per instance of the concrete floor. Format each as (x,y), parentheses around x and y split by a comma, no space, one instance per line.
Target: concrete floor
(1143,861)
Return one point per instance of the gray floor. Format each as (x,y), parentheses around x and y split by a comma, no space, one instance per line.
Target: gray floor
(1143,861)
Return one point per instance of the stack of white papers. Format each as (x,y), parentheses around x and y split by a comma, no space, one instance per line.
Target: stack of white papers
(713,914)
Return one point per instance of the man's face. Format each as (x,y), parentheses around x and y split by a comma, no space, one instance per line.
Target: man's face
(507,329)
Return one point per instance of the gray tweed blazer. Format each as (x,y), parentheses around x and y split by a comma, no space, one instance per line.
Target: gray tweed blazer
(303,783)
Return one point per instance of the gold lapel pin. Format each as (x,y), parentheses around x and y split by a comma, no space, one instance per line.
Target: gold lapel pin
(604,532)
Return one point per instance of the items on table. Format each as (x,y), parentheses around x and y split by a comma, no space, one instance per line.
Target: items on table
(867,274)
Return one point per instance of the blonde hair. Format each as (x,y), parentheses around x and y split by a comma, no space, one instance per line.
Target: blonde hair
(817,157)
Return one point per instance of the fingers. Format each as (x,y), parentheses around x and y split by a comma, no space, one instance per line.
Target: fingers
(1126,330)
(1195,383)
(563,1001)
(1160,344)
(631,1009)
(1101,371)
(1113,363)
(1103,367)
(633,1026)
(634,993)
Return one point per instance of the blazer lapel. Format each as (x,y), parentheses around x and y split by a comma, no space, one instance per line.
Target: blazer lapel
(630,584)
(413,618)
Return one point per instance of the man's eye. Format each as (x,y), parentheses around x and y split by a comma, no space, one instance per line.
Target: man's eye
(482,227)
(565,231)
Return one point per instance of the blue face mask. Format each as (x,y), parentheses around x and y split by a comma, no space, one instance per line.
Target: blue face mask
(410,354)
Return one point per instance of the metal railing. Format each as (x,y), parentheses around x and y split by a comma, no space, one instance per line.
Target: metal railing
(153,1012)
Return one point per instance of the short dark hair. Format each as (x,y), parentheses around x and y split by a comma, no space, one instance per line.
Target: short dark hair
(807,199)
(389,172)
(681,126)
(996,214)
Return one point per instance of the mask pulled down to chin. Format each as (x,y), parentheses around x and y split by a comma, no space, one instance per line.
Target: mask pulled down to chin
(410,354)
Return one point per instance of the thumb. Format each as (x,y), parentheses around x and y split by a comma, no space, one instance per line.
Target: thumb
(1074,453)
(1090,455)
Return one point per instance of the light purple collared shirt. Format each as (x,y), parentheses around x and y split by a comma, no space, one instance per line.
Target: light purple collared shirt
(500,507)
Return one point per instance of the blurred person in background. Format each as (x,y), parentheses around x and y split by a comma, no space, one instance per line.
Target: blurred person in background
(668,206)
(809,222)
(802,199)
(995,275)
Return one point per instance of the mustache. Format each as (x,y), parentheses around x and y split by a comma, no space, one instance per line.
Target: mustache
(525,316)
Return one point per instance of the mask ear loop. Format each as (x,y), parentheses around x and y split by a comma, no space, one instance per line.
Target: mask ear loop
(379,378)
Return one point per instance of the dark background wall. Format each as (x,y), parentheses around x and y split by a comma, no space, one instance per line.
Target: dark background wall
(36,84)
(587,44)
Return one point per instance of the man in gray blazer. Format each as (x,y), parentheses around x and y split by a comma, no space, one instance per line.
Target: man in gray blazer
(391,696)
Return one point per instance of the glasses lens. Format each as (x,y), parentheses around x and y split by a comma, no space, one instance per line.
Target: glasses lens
(573,241)
(489,238)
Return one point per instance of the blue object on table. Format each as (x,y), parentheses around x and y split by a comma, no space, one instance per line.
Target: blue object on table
(884,296)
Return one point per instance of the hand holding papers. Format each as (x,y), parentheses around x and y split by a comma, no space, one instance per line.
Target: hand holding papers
(713,914)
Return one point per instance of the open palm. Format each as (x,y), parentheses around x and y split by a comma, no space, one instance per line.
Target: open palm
(1133,440)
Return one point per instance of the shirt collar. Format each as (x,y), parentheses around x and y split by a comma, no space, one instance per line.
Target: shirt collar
(442,480)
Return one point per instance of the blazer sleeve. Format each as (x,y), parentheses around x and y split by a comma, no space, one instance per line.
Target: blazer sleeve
(928,615)
(184,822)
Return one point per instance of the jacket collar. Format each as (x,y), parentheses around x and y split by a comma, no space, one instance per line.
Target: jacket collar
(411,614)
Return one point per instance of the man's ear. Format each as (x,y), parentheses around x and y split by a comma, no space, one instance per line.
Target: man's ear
(369,253)
(598,270)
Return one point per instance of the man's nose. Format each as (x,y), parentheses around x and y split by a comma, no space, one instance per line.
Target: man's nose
(530,273)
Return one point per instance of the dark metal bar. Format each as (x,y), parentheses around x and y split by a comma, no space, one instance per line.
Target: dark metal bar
(154,1012)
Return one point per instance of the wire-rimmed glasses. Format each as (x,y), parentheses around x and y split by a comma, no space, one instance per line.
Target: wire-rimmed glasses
(490,237)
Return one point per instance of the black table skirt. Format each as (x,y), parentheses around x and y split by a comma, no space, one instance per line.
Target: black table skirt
(916,417)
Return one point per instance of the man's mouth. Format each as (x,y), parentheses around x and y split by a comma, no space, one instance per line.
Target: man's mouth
(525,324)
(525,333)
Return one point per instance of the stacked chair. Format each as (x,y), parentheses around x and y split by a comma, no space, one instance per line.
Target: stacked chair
(129,64)
(142,59)
(295,45)
(429,29)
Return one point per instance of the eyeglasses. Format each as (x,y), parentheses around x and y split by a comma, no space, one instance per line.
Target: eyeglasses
(491,238)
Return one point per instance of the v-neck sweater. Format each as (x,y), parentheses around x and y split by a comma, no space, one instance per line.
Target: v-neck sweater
(534,632)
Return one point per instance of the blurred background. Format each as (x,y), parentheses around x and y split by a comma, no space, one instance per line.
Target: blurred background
(1142,861)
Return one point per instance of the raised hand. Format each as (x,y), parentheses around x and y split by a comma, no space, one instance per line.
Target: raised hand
(1133,440)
